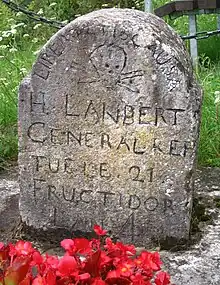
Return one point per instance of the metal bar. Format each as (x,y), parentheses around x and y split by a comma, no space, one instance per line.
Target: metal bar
(177,14)
(193,42)
(218,23)
(148,6)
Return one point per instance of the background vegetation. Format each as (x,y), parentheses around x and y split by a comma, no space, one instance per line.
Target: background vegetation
(21,38)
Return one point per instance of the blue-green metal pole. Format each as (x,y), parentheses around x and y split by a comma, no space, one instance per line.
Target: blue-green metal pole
(148,7)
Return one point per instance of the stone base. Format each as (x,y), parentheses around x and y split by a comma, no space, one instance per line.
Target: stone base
(9,212)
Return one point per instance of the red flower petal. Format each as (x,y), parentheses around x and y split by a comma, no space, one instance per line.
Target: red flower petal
(52,261)
(23,248)
(84,276)
(51,278)
(67,244)
(162,278)
(82,245)
(67,265)
(99,231)
(37,258)
(113,277)
(113,274)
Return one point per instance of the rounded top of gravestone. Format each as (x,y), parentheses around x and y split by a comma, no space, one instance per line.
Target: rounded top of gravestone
(117,29)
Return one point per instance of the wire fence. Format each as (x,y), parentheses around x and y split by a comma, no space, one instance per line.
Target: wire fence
(34,16)
(58,24)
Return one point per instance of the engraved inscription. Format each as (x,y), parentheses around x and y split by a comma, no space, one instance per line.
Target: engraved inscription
(109,63)
(48,57)
(136,175)
(167,65)
(127,114)
(79,197)
(38,133)
(37,102)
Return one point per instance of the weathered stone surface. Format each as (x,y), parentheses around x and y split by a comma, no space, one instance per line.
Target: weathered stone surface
(9,210)
(108,124)
(200,263)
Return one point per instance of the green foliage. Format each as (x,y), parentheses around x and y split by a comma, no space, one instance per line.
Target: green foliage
(209,147)
(69,9)
(21,38)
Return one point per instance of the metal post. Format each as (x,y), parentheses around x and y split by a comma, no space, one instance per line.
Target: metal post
(218,23)
(148,7)
(193,42)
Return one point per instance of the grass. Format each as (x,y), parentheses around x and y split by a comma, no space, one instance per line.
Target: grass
(18,48)
(209,146)
(13,67)
(17,54)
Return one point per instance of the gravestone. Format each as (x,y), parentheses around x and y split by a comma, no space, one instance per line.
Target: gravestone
(108,129)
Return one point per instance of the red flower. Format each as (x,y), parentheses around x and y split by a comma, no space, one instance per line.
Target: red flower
(149,260)
(84,277)
(114,277)
(67,265)
(95,244)
(119,249)
(78,245)
(67,244)
(37,258)
(105,259)
(138,279)
(12,251)
(82,245)
(50,277)
(162,278)
(23,248)
(85,263)
(126,269)
(51,261)
(99,231)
